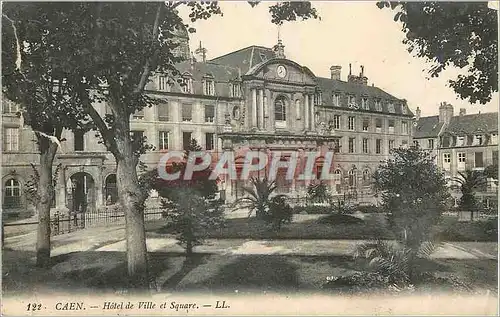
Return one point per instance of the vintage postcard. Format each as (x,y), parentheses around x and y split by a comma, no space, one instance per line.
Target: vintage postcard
(249,158)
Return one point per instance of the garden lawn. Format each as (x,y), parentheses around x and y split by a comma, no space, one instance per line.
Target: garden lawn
(334,226)
(99,272)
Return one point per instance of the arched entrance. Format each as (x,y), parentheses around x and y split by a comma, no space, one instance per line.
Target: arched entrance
(111,191)
(82,194)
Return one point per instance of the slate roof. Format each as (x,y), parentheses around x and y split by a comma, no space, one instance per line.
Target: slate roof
(472,123)
(245,58)
(428,127)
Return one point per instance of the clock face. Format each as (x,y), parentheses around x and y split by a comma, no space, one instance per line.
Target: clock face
(281,71)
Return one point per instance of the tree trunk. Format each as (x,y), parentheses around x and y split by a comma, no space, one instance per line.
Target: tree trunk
(45,193)
(133,205)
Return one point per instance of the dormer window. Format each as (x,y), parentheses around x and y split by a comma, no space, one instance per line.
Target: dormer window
(318,98)
(163,83)
(187,84)
(351,100)
(208,86)
(461,141)
(364,103)
(378,105)
(494,138)
(403,109)
(235,90)
(336,99)
(390,107)
(478,139)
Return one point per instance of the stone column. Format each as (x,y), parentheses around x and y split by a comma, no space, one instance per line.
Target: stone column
(254,108)
(270,111)
(261,109)
(306,112)
(313,113)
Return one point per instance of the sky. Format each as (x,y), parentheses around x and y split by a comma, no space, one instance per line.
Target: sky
(349,32)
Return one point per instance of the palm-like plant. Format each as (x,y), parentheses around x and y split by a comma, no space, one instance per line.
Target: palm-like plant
(469,181)
(258,198)
(392,260)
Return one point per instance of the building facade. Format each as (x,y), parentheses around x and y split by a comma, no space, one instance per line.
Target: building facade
(461,142)
(251,99)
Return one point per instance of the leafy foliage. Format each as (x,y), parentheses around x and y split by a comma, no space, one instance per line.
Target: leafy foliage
(258,198)
(279,213)
(491,171)
(191,216)
(413,192)
(470,181)
(318,192)
(460,34)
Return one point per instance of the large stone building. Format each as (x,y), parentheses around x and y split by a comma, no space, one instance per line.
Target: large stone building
(461,142)
(253,98)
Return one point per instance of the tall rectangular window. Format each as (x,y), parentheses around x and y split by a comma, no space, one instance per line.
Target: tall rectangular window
(186,140)
(378,146)
(79,140)
(391,126)
(336,144)
(391,144)
(187,85)
(404,127)
(209,113)
(187,112)
(390,107)
(378,125)
(460,141)
(209,141)
(378,105)
(235,90)
(364,103)
(366,124)
(163,140)
(11,139)
(430,144)
(446,161)
(209,87)
(351,100)
(336,99)
(352,145)
(478,159)
(365,145)
(163,83)
(461,161)
(351,122)
(163,113)
(478,139)
(318,98)
(336,121)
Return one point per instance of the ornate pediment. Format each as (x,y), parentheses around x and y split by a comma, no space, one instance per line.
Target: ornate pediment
(282,70)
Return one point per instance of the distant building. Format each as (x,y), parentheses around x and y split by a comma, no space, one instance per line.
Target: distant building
(461,142)
(252,98)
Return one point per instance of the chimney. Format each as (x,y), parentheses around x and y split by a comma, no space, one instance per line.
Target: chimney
(445,112)
(351,78)
(418,113)
(462,112)
(335,72)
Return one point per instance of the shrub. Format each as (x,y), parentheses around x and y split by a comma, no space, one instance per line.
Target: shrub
(279,213)
(312,209)
(336,219)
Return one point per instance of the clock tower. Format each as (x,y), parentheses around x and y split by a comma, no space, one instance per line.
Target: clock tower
(279,50)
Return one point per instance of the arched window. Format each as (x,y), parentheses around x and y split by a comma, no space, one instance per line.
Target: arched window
(366,177)
(280,112)
(352,177)
(12,196)
(111,190)
(337,176)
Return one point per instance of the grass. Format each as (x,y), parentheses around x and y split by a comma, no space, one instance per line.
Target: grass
(331,226)
(100,272)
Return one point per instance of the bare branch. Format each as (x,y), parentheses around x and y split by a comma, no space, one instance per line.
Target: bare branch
(146,71)
(18,45)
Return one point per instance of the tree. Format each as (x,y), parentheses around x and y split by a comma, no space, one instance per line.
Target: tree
(109,51)
(318,192)
(413,193)
(191,215)
(469,182)
(33,79)
(461,34)
(258,198)
(279,213)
